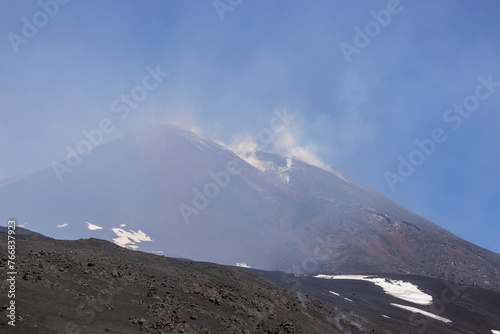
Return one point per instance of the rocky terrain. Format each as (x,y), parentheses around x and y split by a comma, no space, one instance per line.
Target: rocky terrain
(94,286)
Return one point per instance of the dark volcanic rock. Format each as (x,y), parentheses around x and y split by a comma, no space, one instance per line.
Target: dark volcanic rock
(106,288)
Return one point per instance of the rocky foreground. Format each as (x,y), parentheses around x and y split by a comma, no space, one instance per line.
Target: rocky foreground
(94,286)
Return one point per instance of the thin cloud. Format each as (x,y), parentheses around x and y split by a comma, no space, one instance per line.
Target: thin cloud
(351,125)
(62,225)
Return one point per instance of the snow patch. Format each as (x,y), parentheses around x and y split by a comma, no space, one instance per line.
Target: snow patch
(242,265)
(349,300)
(427,314)
(495,332)
(396,288)
(62,225)
(93,227)
(385,316)
(129,239)
(336,294)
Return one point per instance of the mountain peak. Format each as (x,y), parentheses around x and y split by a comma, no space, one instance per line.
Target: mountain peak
(165,188)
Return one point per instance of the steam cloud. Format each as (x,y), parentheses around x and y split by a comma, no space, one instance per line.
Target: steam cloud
(284,143)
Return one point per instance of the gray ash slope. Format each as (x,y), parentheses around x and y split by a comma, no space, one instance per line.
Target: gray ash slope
(93,286)
(290,217)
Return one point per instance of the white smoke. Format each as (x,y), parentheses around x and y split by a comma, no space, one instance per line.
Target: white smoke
(246,148)
(284,143)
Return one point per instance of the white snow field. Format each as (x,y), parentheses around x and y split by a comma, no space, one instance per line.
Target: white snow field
(396,288)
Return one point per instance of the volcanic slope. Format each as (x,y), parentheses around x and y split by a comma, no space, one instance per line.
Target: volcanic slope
(167,189)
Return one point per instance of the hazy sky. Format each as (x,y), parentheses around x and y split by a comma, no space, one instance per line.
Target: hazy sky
(362,91)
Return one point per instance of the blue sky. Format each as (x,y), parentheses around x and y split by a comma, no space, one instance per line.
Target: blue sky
(227,76)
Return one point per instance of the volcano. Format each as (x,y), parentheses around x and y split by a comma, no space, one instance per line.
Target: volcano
(171,191)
